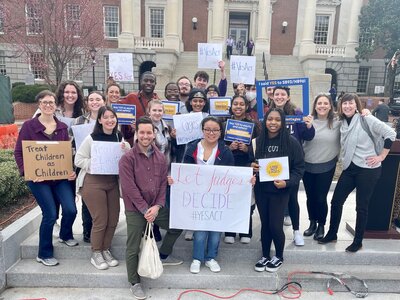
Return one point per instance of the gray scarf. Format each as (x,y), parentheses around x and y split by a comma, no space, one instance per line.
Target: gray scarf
(348,139)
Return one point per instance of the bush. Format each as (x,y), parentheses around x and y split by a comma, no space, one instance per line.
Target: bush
(17,84)
(27,93)
(12,185)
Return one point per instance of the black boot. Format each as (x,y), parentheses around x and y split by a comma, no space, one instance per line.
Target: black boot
(329,238)
(319,233)
(354,247)
(311,230)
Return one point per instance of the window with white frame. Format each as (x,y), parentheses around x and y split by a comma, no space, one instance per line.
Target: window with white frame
(365,37)
(74,69)
(111,21)
(73,19)
(34,19)
(3,70)
(156,22)
(36,65)
(362,81)
(321,30)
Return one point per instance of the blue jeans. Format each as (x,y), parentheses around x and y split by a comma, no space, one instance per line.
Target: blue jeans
(205,245)
(48,196)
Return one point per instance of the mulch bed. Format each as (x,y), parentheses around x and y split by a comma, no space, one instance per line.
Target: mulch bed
(15,211)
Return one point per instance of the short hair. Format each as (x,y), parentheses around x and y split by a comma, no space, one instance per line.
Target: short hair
(98,128)
(43,94)
(279,87)
(345,98)
(151,103)
(167,85)
(214,87)
(144,120)
(201,74)
(148,73)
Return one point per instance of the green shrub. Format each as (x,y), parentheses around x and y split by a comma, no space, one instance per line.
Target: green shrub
(12,186)
(27,93)
(17,84)
(6,155)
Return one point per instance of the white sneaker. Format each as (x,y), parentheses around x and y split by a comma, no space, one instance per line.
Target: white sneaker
(298,238)
(189,235)
(245,240)
(229,240)
(195,266)
(287,221)
(213,265)
(109,258)
(98,261)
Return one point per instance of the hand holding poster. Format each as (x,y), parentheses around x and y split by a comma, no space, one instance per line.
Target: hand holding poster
(126,113)
(243,69)
(239,131)
(220,106)
(212,198)
(209,55)
(274,168)
(121,66)
(188,127)
(171,108)
(105,157)
(47,160)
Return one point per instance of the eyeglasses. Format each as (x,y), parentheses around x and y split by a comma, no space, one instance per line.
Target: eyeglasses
(49,103)
(213,131)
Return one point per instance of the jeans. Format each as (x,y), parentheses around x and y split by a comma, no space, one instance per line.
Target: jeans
(205,245)
(48,196)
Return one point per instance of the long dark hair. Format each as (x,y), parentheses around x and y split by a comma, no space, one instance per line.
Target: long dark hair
(262,141)
(98,128)
(330,114)
(78,106)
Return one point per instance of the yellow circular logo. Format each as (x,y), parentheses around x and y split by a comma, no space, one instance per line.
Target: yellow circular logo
(274,168)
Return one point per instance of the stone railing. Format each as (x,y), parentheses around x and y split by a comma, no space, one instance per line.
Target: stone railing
(330,50)
(148,43)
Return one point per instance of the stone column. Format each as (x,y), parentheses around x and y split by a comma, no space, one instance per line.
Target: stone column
(307,46)
(352,37)
(171,40)
(218,22)
(130,23)
(262,41)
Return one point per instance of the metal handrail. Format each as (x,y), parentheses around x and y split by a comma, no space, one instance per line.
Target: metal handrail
(264,66)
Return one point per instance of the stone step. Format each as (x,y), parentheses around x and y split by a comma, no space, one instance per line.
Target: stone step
(79,273)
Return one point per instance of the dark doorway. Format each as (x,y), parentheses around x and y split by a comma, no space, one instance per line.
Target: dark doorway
(334,76)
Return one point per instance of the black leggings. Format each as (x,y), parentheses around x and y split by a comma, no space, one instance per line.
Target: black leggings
(293,209)
(271,209)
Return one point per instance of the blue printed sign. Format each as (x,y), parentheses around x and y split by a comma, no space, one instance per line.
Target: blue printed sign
(126,113)
(238,131)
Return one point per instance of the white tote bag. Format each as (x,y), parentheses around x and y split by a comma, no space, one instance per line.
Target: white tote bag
(150,265)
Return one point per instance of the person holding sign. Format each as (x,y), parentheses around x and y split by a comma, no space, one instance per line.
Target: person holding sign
(211,150)
(49,193)
(273,196)
(302,131)
(100,192)
(113,92)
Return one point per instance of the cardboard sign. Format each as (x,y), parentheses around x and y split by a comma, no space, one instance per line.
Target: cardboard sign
(104,158)
(239,131)
(243,69)
(171,108)
(219,106)
(46,160)
(274,168)
(209,55)
(80,132)
(121,66)
(126,113)
(188,127)
(211,198)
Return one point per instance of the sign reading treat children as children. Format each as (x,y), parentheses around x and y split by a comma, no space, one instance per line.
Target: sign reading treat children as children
(188,127)
(105,157)
(274,168)
(243,69)
(211,198)
(209,55)
(47,160)
(121,66)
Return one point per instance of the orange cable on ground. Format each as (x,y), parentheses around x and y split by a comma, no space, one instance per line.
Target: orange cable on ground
(17,212)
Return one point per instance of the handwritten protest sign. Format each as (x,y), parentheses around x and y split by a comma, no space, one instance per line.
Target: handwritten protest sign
(126,113)
(121,66)
(274,168)
(219,106)
(212,198)
(80,132)
(47,160)
(171,108)
(209,55)
(243,69)
(188,127)
(67,121)
(105,157)
(238,131)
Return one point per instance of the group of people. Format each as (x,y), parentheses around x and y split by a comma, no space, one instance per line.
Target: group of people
(240,44)
(149,146)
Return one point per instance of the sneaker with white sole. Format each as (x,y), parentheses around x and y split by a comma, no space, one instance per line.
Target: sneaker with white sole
(138,292)
(213,265)
(287,221)
(49,262)
(98,260)
(110,260)
(195,266)
(298,238)
(69,243)
(189,235)
(261,264)
(171,261)
(245,240)
(274,264)
(229,240)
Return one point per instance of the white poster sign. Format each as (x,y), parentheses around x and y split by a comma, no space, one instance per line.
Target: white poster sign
(121,66)
(67,121)
(209,55)
(211,198)
(274,168)
(243,69)
(188,127)
(80,132)
(105,157)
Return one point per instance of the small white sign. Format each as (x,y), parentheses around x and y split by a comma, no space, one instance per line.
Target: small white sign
(243,69)
(121,66)
(379,89)
(276,168)
(188,127)
(209,55)
(67,121)
(80,132)
(104,158)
